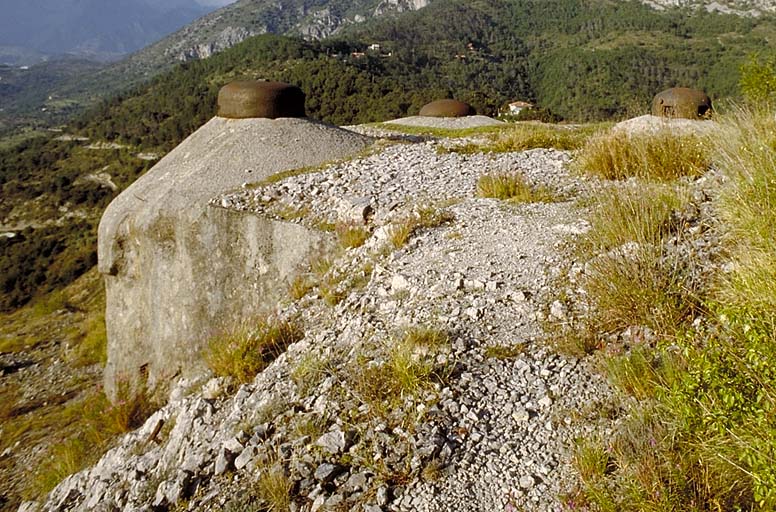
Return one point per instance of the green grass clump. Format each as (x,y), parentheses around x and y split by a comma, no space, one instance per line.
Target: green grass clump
(747,155)
(641,288)
(504,351)
(645,215)
(351,236)
(274,489)
(662,156)
(246,351)
(525,136)
(99,422)
(512,187)
(409,368)
(428,216)
(632,280)
(441,132)
(309,372)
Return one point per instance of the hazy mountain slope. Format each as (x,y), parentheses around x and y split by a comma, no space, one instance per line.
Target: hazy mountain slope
(245,18)
(91,27)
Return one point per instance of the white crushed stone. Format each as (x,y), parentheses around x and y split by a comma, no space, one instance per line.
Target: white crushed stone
(450,123)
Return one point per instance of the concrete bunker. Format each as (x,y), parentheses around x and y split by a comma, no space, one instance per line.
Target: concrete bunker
(178,269)
(682,102)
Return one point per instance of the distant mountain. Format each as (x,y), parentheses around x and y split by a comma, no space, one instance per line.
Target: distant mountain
(96,29)
(226,27)
(581,60)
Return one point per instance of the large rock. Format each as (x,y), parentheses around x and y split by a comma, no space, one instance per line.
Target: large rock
(178,270)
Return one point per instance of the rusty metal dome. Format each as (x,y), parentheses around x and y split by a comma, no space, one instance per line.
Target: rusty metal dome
(248,98)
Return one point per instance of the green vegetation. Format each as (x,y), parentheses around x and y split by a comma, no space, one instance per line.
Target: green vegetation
(662,156)
(703,435)
(246,351)
(71,423)
(577,59)
(409,368)
(38,261)
(758,78)
(423,217)
(351,236)
(274,489)
(512,187)
(643,214)
(504,351)
(525,136)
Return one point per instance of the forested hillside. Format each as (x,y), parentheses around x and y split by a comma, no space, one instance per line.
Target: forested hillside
(580,59)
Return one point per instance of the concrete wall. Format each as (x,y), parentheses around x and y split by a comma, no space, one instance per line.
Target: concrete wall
(178,270)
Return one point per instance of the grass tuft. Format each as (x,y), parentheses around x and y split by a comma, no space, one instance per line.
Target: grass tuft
(645,216)
(351,236)
(663,156)
(643,287)
(409,369)
(512,187)
(527,136)
(99,423)
(249,349)
(274,489)
(424,217)
(703,433)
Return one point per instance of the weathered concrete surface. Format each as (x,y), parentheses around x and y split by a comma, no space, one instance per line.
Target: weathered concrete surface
(178,270)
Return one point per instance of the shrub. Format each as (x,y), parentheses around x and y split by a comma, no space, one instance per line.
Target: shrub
(249,349)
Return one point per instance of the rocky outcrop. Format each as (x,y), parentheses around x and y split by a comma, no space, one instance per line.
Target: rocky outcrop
(386,6)
(228,37)
(737,7)
(178,270)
